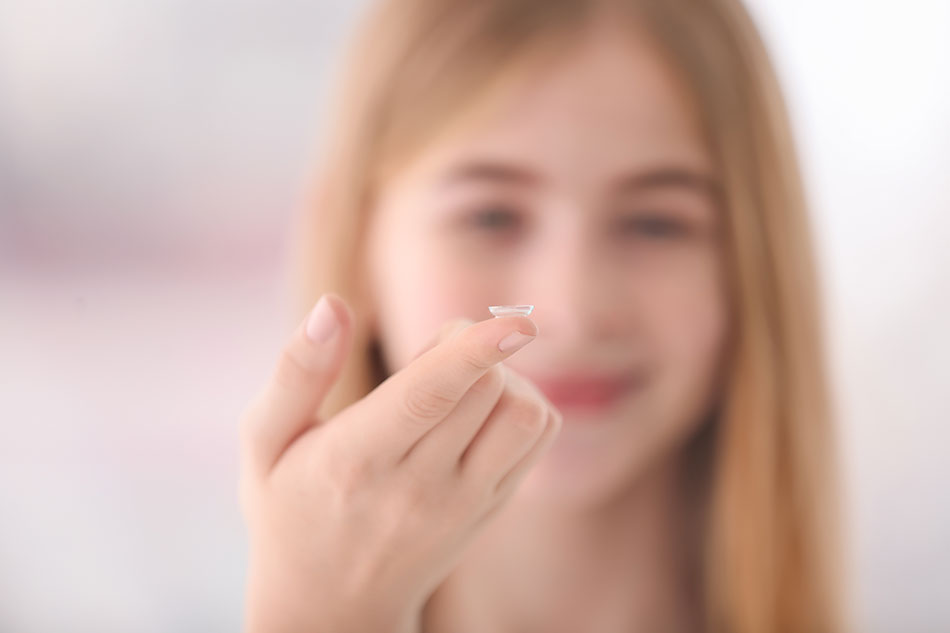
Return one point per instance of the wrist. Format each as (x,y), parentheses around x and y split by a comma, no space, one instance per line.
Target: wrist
(275,603)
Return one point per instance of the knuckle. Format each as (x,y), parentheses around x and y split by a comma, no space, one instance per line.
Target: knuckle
(425,404)
(529,414)
(418,494)
(348,474)
(492,383)
(443,502)
(473,497)
(472,360)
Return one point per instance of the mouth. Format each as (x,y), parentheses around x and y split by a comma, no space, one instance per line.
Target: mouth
(588,393)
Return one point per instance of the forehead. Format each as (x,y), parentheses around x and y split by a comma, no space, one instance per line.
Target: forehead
(610,103)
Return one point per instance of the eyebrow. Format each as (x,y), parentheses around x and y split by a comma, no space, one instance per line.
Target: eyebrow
(659,177)
(490,171)
(668,176)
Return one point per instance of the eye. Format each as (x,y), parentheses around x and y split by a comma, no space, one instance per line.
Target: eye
(653,226)
(494,218)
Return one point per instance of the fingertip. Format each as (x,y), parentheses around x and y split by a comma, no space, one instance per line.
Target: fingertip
(342,312)
(323,321)
(531,325)
(513,341)
(346,314)
(523,324)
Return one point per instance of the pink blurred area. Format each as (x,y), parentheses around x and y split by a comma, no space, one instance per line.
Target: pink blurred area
(121,393)
(152,156)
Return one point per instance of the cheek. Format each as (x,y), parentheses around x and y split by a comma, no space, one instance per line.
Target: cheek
(451,287)
(685,317)
(417,288)
(403,306)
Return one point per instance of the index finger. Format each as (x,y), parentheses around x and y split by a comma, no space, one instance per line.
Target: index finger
(419,396)
(448,329)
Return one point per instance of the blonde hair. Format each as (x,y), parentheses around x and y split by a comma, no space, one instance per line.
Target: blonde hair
(770,543)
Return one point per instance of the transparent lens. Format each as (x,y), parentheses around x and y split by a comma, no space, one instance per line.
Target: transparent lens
(501,311)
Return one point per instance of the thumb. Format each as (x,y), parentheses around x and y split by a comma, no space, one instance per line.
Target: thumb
(307,368)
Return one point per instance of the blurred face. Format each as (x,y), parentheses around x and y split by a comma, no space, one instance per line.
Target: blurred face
(585,193)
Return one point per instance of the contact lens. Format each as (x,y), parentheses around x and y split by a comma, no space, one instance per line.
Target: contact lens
(502,311)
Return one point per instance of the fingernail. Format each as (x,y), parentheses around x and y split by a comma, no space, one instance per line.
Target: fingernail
(513,341)
(322,323)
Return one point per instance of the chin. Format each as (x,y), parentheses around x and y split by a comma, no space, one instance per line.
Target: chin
(593,461)
(561,482)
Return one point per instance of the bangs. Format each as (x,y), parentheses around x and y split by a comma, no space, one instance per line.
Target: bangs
(462,68)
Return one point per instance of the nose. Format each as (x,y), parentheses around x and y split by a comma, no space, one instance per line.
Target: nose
(576,292)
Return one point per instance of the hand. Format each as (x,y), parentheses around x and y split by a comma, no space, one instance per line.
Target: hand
(354,521)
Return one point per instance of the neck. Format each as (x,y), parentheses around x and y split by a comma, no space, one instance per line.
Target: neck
(625,564)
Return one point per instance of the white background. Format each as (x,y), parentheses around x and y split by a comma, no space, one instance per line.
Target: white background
(151,156)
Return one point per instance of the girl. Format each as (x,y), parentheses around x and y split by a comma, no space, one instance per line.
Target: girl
(650,448)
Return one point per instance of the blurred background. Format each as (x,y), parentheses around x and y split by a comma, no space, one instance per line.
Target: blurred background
(152,156)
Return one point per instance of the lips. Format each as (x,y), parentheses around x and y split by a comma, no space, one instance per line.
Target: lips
(584,391)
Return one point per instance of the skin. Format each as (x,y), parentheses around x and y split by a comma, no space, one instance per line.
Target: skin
(557,198)
(355,520)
